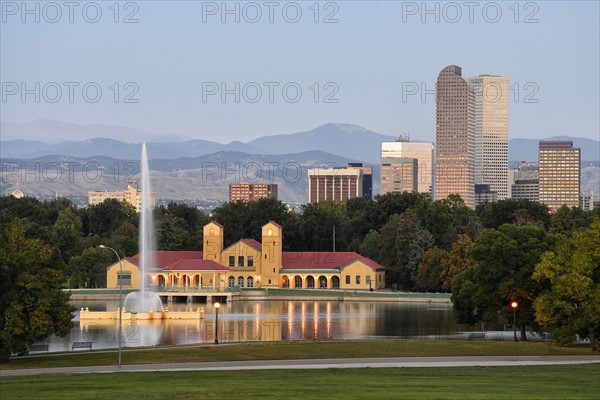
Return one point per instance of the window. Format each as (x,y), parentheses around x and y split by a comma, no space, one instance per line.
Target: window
(232,261)
(240,261)
(241,281)
(368,279)
(269,281)
(231,281)
(124,279)
(250,281)
(251,261)
(347,279)
(358,279)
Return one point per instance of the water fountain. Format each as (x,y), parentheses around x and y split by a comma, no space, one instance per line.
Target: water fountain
(144,304)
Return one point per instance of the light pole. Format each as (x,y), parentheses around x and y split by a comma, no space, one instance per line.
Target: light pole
(217,305)
(120,278)
(514,306)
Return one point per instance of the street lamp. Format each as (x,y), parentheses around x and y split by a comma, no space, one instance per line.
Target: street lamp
(514,306)
(120,300)
(217,305)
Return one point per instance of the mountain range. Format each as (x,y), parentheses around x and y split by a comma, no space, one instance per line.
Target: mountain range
(351,141)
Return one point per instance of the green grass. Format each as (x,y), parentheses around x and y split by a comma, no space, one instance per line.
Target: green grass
(526,382)
(297,350)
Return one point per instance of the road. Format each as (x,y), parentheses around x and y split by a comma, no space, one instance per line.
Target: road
(396,362)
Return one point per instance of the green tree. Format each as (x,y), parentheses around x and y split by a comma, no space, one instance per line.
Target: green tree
(88,270)
(412,240)
(513,211)
(430,269)
(571,304)
(505,259)
(32,304)
(104,218)
(562,221)
(458,260)
(371,246)
(318,222)
(67,231)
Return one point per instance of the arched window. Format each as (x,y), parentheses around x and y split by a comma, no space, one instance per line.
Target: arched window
(322,282)
(250,281)
(310,282)
(335,282)
(241,281)
(298,282)
(231,281)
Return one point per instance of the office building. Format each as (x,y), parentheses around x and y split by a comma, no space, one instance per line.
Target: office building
(422,152)
(130,195)
(399,175)
(337,184)
(559,173)
(252,191)
(455,136)
(367,180)
(491,94)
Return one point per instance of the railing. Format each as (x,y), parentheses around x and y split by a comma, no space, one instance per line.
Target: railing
(195,289)
(356,293)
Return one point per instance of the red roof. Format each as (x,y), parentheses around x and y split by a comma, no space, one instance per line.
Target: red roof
(195,265)
(253,243)
(324,260)
(164,258)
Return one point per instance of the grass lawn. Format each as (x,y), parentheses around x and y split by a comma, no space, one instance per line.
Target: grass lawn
(296,350)
(525,382)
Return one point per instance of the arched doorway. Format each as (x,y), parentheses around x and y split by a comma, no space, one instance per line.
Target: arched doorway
(322,282)
(250,281)
(297,282)
(335,282)
(310,282)
(160,280)
(285,281)
(231,281)
(196,281)
(185,281)
(241,281)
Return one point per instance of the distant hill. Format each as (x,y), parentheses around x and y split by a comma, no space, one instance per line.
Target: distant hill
(204,177)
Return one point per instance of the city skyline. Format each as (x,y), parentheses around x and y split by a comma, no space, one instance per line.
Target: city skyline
(356,62)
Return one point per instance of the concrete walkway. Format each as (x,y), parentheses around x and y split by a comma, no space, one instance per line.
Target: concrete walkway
(396,362)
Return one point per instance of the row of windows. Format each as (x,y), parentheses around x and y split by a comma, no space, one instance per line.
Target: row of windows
(240,281)
(241,261)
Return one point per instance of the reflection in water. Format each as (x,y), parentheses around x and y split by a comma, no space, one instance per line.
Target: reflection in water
(266,321)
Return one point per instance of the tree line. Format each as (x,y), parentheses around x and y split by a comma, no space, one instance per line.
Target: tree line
(510,249)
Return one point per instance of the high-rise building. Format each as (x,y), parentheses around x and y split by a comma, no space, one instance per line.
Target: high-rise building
(130,195)
(367,180)
(252,191)
(399,175)
(337,184)
(421,151)
(525,182)
(491,94)
(455,136)
(559,171)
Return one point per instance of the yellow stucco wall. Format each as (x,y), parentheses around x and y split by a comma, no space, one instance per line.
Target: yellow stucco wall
(363,272)
(113,270)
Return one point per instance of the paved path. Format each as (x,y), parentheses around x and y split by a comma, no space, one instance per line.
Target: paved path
(396,362)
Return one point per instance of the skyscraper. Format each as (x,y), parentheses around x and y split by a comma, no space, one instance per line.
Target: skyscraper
(455,136)
(559,173)
(399,175)
(422,152)
(367,180)
(252,191)
(491,94)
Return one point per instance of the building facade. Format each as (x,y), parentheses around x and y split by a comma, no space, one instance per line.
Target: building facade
(251,264)
(399,175)
(367,180)
(455,136)
(422,152)
(252,191)
(559,173)
(491,94)
(130,195)
(336,184)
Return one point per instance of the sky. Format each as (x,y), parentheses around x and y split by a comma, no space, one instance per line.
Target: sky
(232,70)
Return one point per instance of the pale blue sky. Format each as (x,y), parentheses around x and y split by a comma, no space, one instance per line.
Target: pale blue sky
(368,55)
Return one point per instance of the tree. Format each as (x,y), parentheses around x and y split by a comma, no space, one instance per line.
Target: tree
(430,269)
(505,259)
(411,242)
(318,222)
(104,218)
(88,270)
(458,260)
(571,304)
(513,211)
(32,303)
(562,221)
(371,246)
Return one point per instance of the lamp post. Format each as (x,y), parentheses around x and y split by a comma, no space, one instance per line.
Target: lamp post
(217,305)
(514,306)
(120,300)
